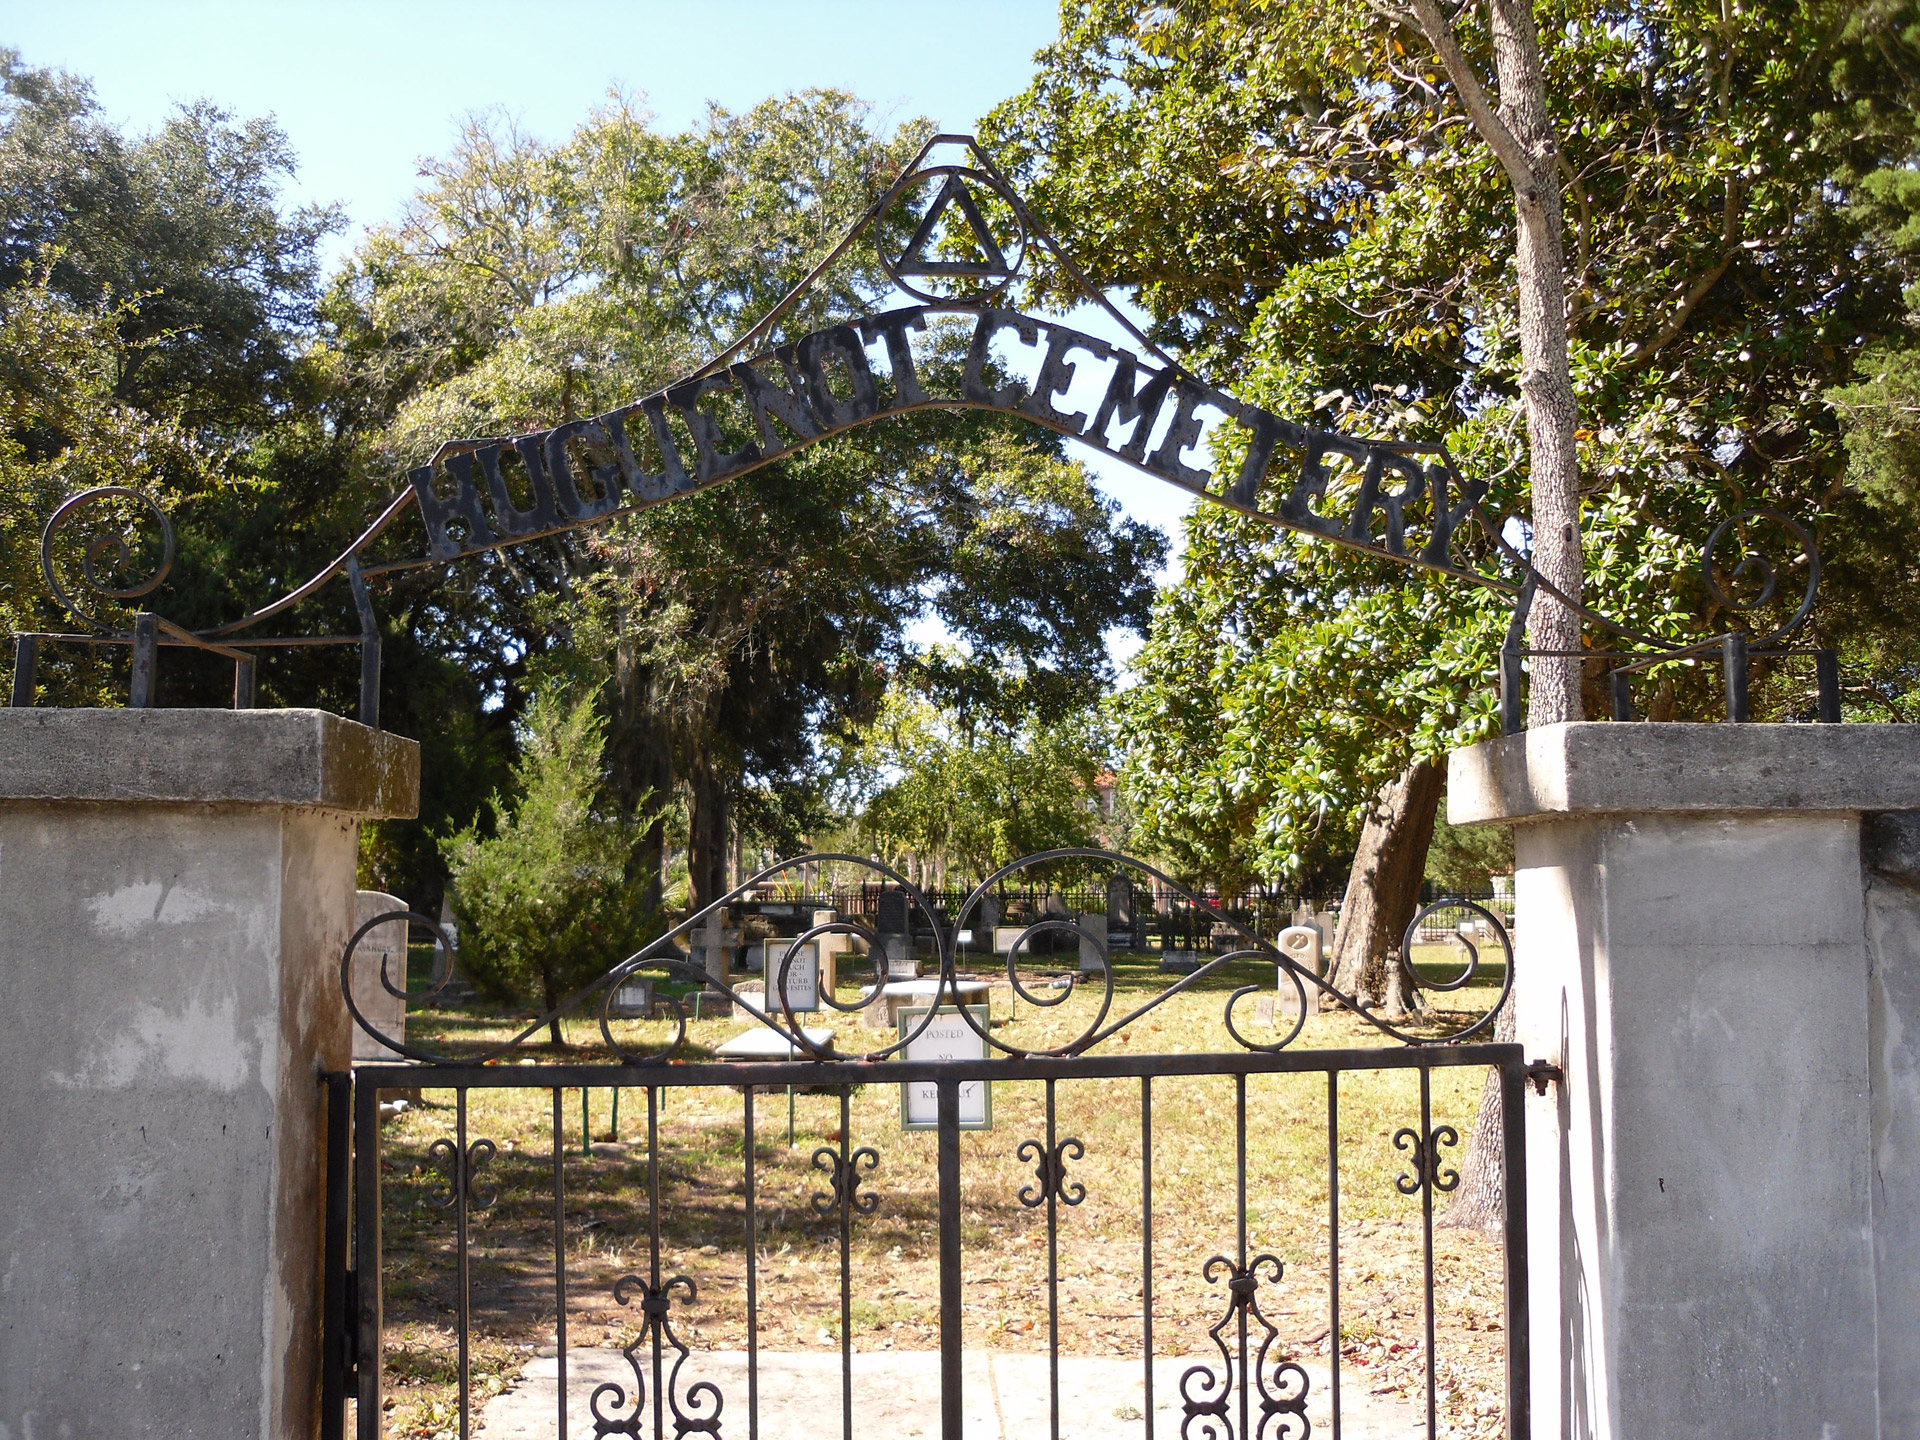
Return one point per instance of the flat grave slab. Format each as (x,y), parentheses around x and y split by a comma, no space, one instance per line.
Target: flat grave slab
(760,1043)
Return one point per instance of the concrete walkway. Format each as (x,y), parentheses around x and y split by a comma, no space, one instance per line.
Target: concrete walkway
(896,1396)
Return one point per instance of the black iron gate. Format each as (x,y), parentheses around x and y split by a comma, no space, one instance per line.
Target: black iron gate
(1245,1380)
(1253,1387)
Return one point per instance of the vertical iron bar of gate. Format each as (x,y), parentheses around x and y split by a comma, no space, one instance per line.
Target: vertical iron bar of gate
(1333,1244)
(653,1246)
(26,655)
(366,1256)
(1146,1238)
(1429,1166)
(146,659)
(460,1252)
(948,1093)
(753,1294)
(560,1256)
(1240,1225)
(846,1263)
(1513,1135)
(1052,1174)
(334,1360)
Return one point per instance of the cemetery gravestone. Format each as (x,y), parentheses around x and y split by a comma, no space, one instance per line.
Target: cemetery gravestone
(713,946)
(891,926)
(382,951)
(1302,944)
(1093,943)
(1120,906)
(830,948)
(633,999)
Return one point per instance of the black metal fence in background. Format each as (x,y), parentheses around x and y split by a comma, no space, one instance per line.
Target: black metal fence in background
(1139,918)
(1147,919)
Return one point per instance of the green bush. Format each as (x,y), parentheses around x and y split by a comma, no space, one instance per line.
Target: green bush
(550,900)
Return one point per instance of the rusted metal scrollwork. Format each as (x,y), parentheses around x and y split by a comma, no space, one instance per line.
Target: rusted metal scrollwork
(1472,931)
(843,1191)
(690,1416)
(1050,1170)
(1756,573)
(106,553)
(1206,1397)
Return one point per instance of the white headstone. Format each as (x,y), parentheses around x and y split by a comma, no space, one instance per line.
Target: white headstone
(713,948)
(383,946)
(1093,943)
(1302,945)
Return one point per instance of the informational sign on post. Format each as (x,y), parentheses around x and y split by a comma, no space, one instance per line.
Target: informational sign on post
(947,1037)
(802,983)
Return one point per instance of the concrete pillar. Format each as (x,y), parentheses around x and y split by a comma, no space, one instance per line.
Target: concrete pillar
(176,889)
(1723,1190)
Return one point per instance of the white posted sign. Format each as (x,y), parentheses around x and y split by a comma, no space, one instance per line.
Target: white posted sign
(802,988)
(947,1037)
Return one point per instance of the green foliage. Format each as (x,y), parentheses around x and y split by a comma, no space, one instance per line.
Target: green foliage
(62,429)
(549,901)
(745,627)
(971,796)
(185,220)
(157,331)
(1462,860)
(1292,194)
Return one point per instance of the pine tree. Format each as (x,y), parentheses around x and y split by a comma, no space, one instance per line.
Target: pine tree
(550,900)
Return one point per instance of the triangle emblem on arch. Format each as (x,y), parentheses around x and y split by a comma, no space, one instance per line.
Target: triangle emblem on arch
(992,261)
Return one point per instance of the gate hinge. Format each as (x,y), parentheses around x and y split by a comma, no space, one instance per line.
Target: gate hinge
(1543,1072)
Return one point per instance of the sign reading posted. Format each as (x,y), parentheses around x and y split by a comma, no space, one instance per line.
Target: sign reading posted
(947,1037)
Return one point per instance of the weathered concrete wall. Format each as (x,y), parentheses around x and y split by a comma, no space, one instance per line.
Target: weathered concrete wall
(170,971)
(1724,1192)
(1702,1174)
(1892,846)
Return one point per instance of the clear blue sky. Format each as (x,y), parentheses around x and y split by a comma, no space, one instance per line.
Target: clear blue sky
(364,91)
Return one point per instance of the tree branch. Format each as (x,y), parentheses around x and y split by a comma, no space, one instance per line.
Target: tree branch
(1701,285)
(1424,17)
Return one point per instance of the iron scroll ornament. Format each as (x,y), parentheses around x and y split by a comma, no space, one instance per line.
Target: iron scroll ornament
(1407,503)
(663,958)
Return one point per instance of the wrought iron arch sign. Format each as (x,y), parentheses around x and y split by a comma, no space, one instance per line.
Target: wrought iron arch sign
(1407,503)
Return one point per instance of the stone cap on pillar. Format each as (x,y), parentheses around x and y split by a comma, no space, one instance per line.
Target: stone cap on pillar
(306,758)
(1594,768)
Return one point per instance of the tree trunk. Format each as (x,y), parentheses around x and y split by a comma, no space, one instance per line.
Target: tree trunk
(1479,1203)
(1520,132)
(1546,379)
(1383,890)
(640,768)
(550,998)
(707,849)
